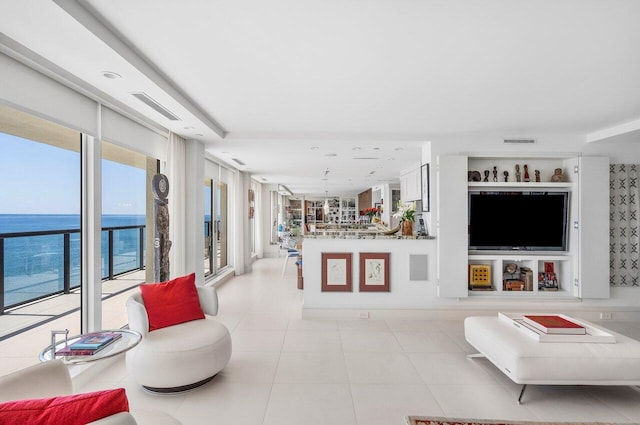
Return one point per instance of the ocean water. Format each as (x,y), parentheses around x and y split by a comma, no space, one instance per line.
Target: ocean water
(34,265)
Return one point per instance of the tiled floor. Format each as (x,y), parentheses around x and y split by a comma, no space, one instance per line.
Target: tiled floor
(289,371)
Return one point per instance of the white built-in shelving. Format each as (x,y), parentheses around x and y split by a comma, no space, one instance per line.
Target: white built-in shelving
(581,271)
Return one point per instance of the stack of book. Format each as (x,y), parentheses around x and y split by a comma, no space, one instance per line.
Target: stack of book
(89,344)
(554,324)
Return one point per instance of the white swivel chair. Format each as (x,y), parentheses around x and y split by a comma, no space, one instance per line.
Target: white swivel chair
(182,356)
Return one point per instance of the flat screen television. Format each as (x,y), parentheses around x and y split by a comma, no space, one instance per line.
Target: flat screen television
(527,221)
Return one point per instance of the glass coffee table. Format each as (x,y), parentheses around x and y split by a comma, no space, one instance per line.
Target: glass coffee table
(127,340)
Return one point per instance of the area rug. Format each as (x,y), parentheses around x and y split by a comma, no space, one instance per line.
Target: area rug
(423,420)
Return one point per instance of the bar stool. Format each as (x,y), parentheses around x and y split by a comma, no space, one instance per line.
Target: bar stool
(291,253)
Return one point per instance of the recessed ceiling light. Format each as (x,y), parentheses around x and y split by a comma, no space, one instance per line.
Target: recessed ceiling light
(376,149)
(330,154)
(314,148)
(111,75)
(398,149)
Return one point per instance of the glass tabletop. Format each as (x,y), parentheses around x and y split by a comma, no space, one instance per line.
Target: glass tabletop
(127,340)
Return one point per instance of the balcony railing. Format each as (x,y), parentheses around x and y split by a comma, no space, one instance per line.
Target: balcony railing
(35,265)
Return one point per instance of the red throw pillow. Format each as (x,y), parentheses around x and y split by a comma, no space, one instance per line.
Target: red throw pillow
(78,409)
(172,302)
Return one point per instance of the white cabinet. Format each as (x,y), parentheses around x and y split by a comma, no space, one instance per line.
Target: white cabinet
(580,272)
(411,185)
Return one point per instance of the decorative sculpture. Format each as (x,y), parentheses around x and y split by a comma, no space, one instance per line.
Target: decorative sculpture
(506,176)
(495,174)
(526,173)
(537,173)
(473,176)
(486,175)
(557,175)
(518,173)
(161,242)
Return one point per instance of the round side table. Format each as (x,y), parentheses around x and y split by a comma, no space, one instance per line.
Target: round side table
(127,341)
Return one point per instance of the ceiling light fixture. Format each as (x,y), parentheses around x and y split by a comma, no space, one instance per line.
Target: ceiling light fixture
(284,190)
(111,75)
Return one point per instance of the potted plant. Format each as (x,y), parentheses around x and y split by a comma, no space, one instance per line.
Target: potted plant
(407,215)
(370,212)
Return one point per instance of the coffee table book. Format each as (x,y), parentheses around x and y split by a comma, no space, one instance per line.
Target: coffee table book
(554,324)
(89,344)
(594,334)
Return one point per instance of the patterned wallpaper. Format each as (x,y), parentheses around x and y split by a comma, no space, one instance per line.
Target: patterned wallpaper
(623,230)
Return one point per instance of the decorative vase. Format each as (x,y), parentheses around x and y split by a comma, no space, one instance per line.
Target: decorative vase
(407,228)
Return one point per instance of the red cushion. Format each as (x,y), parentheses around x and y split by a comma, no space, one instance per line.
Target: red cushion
(172,302)
(78,409)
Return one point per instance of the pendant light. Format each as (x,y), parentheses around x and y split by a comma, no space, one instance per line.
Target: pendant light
(326,203)
(326,200)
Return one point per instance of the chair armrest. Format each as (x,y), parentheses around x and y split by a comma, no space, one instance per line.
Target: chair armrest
(208,299)
(122,418)
(43,380)
(137,314)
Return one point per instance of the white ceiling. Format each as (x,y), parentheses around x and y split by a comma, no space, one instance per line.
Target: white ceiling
(267,81)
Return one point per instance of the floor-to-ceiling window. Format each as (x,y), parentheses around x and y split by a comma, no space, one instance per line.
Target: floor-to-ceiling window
(208,228)
(124,215)
(220,211)
(39,221)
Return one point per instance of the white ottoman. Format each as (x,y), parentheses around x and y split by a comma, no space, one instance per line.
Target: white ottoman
(526,361)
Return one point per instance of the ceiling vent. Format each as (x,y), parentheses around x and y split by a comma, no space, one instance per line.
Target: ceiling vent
(237,161)
(144,98)
(519,141)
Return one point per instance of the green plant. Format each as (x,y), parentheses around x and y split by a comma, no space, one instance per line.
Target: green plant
(406,211)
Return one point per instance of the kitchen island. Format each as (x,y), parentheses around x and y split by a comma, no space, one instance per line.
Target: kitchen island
(411,273)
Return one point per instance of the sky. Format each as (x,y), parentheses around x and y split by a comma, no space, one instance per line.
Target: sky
(36,178)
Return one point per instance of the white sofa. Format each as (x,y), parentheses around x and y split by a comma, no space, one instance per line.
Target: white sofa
(182,356)
(527,361)
(52,379)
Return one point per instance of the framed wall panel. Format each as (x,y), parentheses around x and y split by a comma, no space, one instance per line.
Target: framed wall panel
(336,272)
(374,272)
